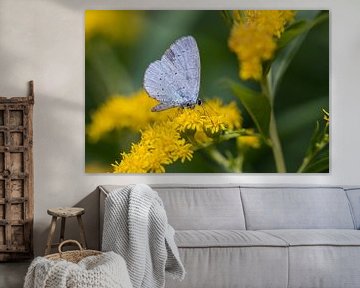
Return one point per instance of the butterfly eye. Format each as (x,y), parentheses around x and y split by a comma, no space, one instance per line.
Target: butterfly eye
(199,102)
(188,104)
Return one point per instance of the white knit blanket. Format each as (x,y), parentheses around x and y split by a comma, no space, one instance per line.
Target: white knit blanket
(136,227)
(103,271)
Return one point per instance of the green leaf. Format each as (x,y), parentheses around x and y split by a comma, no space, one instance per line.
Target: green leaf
(319,165)
(256,104)
(314,138)
(293,31)
(317,156)
(300,27)
(288,45)
(280,64)
(227,16)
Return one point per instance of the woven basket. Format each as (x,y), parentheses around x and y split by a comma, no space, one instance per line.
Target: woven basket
(72,256)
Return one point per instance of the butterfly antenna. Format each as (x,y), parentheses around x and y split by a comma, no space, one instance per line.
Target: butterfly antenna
(180,110)
(177,113)
(197,111)
(212,109)
(207,114)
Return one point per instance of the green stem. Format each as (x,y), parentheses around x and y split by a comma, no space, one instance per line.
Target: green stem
(239,163)
(225,137)
(219,158)
(235,164)
(274,135)
(310,157)
(305,162)
(276,146)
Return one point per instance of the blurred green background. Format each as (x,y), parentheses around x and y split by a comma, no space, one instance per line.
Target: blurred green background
(121,44)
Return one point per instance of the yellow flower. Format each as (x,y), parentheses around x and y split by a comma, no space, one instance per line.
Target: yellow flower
(229,112)
(213,117)
(167,136)
(251,141)
(188,120)
(160,144)
(121,26)
(253,38)
(237,15)
(132,112)
(201,138)
(175,136)
(270,21)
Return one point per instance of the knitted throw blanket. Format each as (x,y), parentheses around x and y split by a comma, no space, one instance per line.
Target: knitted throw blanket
(102,271)
(136,227)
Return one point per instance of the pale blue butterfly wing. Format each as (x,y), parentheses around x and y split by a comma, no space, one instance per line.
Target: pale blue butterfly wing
(175,79)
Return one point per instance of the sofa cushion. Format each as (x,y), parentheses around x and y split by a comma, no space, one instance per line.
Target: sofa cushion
(354,198)
(191,208)
(324,266)
(226,238)
(317,237)
(220,267)
(296,208)
(327,258)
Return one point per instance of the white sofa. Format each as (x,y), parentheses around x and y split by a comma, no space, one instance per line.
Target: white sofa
(242,236)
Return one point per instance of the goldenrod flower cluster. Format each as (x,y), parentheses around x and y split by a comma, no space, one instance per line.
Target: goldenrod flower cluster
(120,26)
(166,136)
(253,38)
(132,112)
(160,144)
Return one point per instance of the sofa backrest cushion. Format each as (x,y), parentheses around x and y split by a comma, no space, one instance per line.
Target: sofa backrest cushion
(296,208)
(203,208)
(354,198)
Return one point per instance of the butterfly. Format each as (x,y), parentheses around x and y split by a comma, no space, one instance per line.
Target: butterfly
(174,80)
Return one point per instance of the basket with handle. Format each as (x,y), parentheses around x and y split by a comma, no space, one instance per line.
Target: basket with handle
(74,255)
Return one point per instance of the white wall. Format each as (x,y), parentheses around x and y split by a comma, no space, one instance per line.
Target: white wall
(43,40)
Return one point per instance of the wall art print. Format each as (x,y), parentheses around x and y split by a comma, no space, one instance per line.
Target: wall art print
(243,91)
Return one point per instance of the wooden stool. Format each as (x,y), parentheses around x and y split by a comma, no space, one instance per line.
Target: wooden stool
(64,213)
